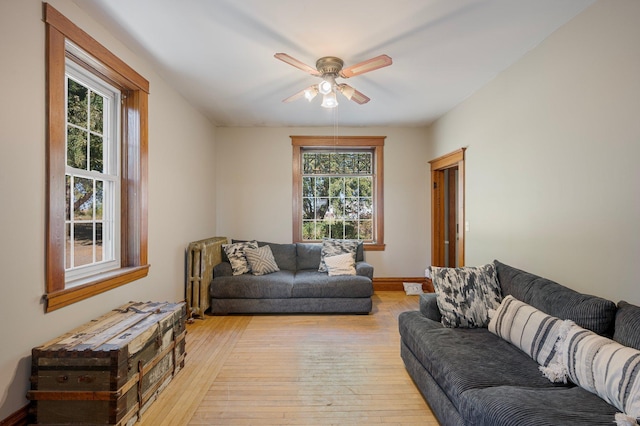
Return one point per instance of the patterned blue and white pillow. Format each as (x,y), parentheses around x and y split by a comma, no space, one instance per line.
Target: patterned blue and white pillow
(261,260)
(331,247)
(465,295)
(237,258)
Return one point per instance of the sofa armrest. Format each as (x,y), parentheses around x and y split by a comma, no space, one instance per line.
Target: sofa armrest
(429,307)
(364,269)
(222,270)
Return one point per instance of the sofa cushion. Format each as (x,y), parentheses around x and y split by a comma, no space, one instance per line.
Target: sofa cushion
(524,406)
(309,255)
(261,260)
(465,295)
(333,247)
(273,286)
(360,252)
(428,306)
(602,366)
(222,269)
(285,254)
(627,325)
(595,313)
(236,256)
(528,328)
(460,359)
(310,283)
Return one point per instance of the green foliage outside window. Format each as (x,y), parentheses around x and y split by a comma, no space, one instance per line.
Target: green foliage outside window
(84,194)
(84,126)
(337,191)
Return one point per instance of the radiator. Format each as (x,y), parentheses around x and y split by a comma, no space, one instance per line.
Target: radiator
(202,256)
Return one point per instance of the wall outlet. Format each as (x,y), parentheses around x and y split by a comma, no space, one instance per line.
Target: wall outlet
(427,273)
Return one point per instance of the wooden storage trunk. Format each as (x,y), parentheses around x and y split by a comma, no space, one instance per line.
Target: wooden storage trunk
(202,256)
(109,370)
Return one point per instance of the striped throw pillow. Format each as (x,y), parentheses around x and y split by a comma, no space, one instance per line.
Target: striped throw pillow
(261,260)
(602,366)
(529,329)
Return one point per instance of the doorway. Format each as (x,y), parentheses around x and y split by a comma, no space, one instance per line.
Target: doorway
(447,210)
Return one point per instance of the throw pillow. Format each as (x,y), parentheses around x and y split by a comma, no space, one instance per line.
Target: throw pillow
(237,258)
(261,260)
(342,264)
(465,295)
(602,366)
(331,247)
(627,325)
(530,330)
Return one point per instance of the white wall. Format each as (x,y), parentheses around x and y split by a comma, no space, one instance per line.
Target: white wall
(552,161)
(254,191)
(181,193)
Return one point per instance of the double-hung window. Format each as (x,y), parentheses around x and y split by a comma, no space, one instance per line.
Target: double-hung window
(92,175)
(338,189)
(97,145)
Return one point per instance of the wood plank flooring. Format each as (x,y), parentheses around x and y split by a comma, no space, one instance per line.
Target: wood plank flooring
(295,370)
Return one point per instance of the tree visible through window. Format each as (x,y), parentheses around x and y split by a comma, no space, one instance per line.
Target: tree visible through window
(92,186)
(97,149)
(337,184)
(337,195)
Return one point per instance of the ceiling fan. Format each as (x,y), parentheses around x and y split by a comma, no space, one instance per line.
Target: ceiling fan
(328,68)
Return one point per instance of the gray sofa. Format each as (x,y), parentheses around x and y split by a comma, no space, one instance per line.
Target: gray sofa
(297,288)
(473,377)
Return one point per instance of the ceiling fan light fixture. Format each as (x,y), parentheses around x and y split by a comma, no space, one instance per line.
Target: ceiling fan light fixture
(347,91)
(326,86)
(310,93)
(328,68)
(329,100)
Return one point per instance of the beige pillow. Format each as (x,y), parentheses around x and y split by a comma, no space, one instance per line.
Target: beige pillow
(342,264)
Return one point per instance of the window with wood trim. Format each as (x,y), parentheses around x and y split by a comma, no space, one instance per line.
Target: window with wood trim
(96,167)
(337,189)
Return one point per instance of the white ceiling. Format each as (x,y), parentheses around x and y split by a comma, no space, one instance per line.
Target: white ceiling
(219,53)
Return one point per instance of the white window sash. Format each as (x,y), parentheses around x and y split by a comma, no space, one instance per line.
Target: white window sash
(111,177)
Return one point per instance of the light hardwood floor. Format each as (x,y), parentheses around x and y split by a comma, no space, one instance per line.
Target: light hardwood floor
(295,370)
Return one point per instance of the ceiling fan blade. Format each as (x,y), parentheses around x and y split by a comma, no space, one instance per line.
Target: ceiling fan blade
(296,63)
(294,97)
(366,66)
(352,94)
(313,90)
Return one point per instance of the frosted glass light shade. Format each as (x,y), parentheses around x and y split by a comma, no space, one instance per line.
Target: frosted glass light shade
(311,93)
(325,87)
(329,100)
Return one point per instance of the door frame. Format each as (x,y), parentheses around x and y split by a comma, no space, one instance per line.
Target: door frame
(451,160)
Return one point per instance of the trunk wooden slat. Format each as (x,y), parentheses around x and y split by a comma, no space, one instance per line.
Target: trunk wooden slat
(109,370)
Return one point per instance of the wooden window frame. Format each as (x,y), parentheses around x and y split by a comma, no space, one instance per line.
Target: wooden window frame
(134,169)
(374,142)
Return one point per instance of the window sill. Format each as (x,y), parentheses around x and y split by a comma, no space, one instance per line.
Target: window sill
(374,247)
(95,285)
(366,246)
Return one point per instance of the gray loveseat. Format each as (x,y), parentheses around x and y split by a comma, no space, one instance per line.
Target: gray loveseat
(297,288)
(473,377)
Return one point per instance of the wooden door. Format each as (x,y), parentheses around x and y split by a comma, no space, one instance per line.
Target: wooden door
(447,210)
